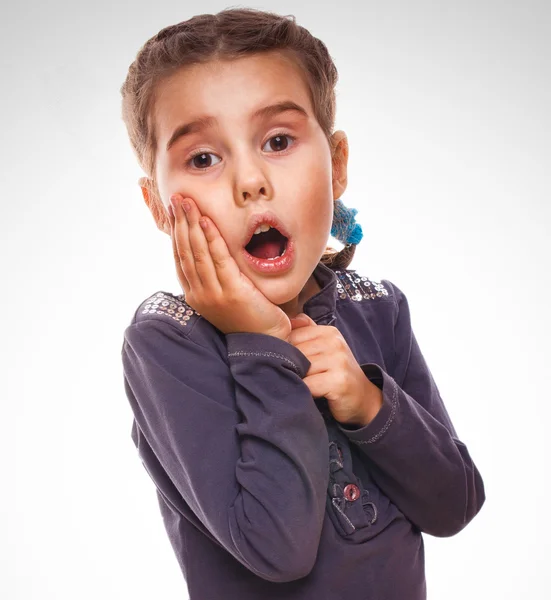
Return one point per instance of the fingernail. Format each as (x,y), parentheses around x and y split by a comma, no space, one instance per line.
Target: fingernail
(174,199)
(186,206)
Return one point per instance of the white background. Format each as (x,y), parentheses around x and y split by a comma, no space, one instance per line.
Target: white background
(447,110)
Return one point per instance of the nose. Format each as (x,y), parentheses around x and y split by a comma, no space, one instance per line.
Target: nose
(252,193)
(251,180)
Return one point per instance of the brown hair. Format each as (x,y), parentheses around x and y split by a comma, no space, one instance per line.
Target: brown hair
(231,33)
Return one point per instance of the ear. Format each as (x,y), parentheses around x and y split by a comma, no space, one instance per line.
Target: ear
(154,203)
(339,161)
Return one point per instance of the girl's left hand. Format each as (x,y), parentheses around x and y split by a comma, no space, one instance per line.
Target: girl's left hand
(334,372)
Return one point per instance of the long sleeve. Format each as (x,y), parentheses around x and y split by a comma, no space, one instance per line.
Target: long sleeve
(411,447)
(239,436)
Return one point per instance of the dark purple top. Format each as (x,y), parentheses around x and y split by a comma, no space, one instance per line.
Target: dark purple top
(262,493)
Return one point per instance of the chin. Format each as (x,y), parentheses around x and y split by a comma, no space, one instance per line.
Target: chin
(287,291)
(278,290)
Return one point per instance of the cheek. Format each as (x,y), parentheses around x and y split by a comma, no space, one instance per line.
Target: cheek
(315,193)
(230,228)
(312,173)
(316,215)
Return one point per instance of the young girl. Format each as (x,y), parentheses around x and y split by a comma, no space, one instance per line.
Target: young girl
(297,440)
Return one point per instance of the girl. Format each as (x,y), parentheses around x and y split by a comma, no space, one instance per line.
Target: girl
(297,440)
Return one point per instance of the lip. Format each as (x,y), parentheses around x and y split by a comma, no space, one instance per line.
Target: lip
(278,265)
(266,217)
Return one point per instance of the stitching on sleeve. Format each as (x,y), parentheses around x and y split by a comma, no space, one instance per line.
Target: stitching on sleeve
(271,354)
(389,421)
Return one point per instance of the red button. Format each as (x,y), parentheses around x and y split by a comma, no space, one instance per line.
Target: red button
(351,492)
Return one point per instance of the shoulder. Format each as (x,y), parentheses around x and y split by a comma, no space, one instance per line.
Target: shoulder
(356,286)
(167,307)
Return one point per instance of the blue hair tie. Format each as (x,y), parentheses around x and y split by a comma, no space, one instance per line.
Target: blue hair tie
(344,228)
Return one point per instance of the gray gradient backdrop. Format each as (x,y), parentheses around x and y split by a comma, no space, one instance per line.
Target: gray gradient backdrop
(447,109)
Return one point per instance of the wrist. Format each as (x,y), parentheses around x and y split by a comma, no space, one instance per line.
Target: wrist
(370,404)
(374,406)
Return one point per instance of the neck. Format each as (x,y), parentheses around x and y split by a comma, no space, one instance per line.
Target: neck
(295,306)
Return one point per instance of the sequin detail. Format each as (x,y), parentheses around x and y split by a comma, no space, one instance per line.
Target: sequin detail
(352,285)
(349,285)
(174,307)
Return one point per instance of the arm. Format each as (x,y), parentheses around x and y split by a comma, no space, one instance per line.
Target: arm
(411,446)
(243,443)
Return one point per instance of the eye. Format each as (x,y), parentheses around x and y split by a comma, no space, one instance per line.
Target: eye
(280,141)
(203,163)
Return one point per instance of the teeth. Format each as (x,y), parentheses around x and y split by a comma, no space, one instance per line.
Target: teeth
(262,228)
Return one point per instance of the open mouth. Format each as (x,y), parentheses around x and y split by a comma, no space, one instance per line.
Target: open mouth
(267,244)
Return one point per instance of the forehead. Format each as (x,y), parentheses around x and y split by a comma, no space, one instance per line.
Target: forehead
(229,90)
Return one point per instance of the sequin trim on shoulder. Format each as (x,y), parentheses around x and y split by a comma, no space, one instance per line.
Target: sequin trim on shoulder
(352,285)
(174,307)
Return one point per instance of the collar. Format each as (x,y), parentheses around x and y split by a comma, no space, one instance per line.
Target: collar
(321,307)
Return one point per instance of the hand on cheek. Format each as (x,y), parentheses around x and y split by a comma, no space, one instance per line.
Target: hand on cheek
(213,284)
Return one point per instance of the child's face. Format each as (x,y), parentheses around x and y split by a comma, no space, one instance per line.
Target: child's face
(245,171)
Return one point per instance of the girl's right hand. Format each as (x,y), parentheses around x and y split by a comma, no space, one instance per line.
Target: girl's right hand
(212,282)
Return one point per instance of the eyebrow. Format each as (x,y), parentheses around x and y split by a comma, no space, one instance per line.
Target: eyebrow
(205,122)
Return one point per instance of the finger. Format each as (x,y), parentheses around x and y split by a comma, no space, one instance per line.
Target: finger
(303,318)
(313,347)
(227,270)
(177,262)
(319,362)
(297,322)
(179,236)
(200,250)
(302,332)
